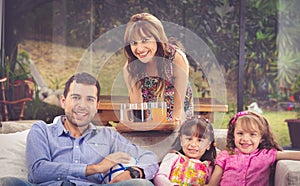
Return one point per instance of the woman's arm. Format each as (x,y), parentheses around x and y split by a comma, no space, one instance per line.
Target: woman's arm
(181,74)
(216,176)
(135,93)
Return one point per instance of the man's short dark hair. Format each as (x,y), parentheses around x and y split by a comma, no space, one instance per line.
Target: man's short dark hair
(83,78)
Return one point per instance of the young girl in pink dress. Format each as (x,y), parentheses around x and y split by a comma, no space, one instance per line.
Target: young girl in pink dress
(193,162)
(251,151)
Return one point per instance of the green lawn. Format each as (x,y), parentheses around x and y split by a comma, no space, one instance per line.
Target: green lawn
(276,120)
(279,127)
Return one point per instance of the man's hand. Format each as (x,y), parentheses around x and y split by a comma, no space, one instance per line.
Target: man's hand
(125,175)
(121,177)
(108,162)
(115,158)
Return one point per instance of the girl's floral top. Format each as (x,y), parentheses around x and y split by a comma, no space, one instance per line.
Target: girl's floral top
(190,172)
(149,86)
(180,170)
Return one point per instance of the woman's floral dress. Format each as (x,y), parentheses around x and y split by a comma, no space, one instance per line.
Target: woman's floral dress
(149,86)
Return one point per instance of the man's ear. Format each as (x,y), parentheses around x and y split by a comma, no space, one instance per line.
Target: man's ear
(62,101)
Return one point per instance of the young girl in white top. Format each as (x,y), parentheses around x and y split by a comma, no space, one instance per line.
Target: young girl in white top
(192,161)
(251,151)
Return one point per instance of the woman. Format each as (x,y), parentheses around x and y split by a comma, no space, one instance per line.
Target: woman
(156,69)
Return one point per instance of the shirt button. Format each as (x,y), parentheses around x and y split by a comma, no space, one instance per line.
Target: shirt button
(76,161)
(58,179)
(76,147)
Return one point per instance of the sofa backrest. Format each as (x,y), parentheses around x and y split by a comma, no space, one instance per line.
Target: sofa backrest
(13,143)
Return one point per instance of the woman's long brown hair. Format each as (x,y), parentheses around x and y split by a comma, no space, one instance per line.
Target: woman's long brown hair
(145,24)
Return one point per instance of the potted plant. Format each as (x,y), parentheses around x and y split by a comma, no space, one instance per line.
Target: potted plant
(21,78)
(294,128)
(19,83)
(294,124)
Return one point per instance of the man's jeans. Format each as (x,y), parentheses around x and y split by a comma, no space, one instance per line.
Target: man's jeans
(12,181)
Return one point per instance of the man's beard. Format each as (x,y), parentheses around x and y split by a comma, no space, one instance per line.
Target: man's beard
(75,122)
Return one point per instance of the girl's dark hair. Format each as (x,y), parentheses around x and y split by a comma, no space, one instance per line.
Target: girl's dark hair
(83,78)
(200,128)
(247,119)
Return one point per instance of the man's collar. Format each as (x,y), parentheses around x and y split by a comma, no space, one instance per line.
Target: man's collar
(59,120)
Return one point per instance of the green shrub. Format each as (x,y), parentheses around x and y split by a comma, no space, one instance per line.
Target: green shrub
(38,110)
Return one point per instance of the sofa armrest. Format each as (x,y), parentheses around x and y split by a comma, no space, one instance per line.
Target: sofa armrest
(287,173)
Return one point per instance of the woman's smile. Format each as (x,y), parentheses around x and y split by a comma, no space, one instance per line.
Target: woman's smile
(144,48)
(142,54)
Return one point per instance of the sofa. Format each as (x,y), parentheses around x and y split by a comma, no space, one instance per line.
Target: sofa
(13,142)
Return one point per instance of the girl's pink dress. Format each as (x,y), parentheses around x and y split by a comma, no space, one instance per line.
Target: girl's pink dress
(246,169)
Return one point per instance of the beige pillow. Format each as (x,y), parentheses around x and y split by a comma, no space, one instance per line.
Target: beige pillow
(16,126)
(12,154)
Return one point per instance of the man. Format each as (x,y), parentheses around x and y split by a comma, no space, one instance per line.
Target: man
(72,151)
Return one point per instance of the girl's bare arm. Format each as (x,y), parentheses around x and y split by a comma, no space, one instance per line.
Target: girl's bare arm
(288,155)
(216,176)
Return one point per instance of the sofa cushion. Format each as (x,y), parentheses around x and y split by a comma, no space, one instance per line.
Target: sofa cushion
(12,154)
(287,173)
(220,138)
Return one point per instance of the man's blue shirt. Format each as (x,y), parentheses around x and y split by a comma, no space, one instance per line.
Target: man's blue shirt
(53,155)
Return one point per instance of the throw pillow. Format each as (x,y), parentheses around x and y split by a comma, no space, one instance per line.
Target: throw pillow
(12,154)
